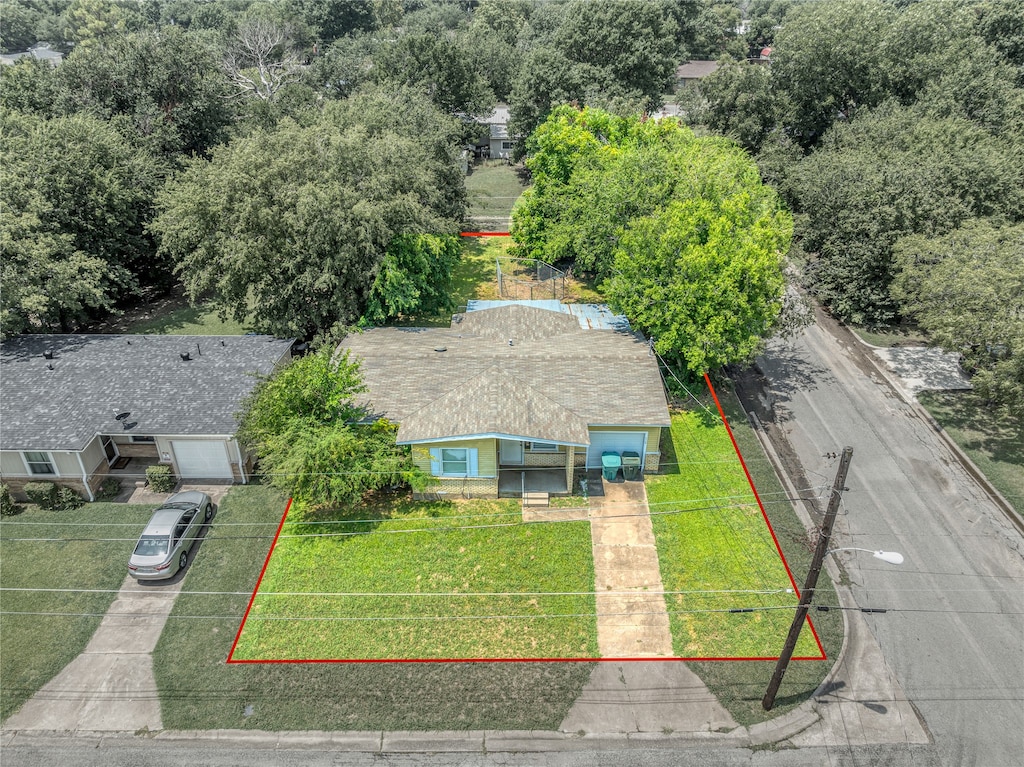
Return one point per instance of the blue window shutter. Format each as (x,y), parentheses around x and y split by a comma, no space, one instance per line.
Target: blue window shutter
(474,468)
(435,461)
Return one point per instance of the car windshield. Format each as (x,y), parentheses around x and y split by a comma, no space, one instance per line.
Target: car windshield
(152,545)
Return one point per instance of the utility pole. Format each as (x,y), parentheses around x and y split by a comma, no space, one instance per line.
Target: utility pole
(824,536)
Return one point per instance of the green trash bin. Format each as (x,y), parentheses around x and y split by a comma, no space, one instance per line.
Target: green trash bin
(631,465)
(610,463)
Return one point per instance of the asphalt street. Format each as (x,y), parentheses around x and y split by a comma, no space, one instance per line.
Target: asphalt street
(953,633)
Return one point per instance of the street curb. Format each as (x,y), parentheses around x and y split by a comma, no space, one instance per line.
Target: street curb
(922,412)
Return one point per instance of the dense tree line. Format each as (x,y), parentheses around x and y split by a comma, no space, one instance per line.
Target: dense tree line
(886,126)
(323,133)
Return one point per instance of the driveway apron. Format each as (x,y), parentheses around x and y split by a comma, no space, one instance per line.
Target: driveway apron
(110,686)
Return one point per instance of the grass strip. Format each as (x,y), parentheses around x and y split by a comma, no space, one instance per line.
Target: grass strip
(35,647)
(994,441)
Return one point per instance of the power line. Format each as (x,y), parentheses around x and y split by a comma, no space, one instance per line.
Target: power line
(695,611)
(439,528)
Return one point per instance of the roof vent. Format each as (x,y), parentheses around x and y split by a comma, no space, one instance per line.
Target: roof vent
(120,415)
(510,342)
(185,356)
(49,366)
(48,354)
(440,348)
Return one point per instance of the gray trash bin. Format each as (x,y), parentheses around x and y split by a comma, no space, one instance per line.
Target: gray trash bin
(631,465)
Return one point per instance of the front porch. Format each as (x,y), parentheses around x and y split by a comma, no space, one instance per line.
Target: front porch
(514,482)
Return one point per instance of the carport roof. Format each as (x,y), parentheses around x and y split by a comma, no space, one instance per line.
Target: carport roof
(63,403)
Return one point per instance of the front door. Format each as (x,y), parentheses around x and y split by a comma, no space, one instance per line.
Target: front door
(110,450)
(511,452)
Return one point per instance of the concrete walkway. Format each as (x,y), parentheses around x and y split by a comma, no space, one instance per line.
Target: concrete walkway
(632,621)
(110,686)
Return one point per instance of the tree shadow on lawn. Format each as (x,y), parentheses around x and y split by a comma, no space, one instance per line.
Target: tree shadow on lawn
(999,435)
(368,515)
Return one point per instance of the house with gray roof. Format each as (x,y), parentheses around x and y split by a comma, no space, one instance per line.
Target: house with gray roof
(75,409)
(514,397)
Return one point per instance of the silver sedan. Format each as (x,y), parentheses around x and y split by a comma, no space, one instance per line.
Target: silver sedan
(170,535)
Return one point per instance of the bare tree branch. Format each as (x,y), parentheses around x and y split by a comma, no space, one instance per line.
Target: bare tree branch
(262,59)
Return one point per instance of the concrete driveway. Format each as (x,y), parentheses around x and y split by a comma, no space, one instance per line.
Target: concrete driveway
(111,686)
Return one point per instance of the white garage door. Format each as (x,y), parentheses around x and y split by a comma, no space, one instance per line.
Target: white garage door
(617,441)
(201,459)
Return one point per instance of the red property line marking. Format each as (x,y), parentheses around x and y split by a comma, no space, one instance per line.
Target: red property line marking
(485,234)
(284,517)
(764,514)
(259,580)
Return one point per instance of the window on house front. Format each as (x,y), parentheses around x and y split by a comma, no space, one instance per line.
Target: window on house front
(142,439)
(543,447)
(454,460)
(39,463)
(508,145)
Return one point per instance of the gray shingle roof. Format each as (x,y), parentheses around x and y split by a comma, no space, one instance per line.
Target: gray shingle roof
(95,375)
(554,380)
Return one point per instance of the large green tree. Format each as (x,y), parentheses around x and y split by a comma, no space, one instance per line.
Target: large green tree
(966,289)
(291,226)
(687,240)
(303,423)
(165,89)
(75,198)
(605,53)
(887,174)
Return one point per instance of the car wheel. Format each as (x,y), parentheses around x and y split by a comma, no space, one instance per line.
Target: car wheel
(209,512)
(183,560)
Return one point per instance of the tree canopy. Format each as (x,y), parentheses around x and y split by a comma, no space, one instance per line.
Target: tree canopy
(687,240)
(966,289)
(290,226)
(76,197)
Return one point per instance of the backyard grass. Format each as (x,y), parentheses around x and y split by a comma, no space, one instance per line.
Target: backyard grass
(199,690)
(184,320)
(492,188)
(424,580)
(35,647)
(740,685)
(994,442)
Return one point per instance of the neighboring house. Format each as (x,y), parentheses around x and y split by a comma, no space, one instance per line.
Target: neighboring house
(501,144)
(514,398)
(41,51)
(691,72)
(77,408)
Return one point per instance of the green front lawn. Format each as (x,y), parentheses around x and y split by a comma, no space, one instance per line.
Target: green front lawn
(425,580)
(740,685)
(715,547)
(994,442)
(41,632)
(199,690)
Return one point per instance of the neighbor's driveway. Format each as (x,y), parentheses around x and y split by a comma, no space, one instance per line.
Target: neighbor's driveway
(111,685)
